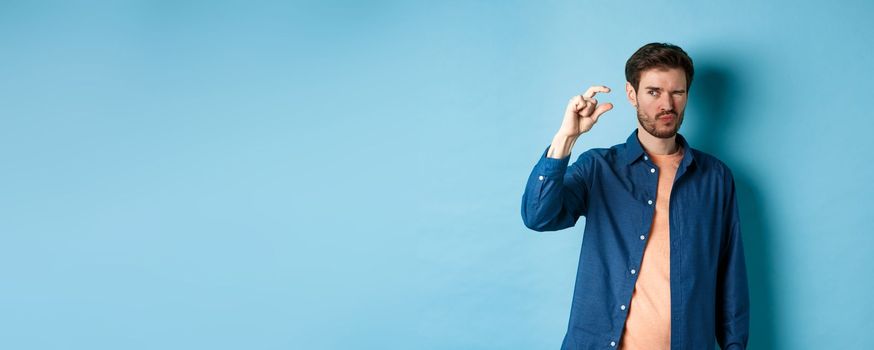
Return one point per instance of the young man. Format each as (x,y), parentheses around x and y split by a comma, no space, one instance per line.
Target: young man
(662,261)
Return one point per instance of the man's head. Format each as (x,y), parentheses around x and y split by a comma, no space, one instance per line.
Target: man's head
(658,78)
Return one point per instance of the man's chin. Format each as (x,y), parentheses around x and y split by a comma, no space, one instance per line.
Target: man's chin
(666,134)
(662,133)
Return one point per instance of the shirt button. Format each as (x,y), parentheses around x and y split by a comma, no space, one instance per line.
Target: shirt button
(622,307)
(646,157)
(613,343)
(649,202)
(642,237)
(541,177)
(633,271)
(652,170)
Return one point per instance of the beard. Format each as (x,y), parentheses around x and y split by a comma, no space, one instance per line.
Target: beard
(653,127)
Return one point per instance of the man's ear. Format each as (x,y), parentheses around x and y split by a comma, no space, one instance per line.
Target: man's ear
(632,95)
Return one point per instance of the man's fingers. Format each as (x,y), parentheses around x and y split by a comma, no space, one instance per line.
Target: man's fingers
(600,110)
(589,107)
(586,105)
(597,88)
(576,103)
(572,104)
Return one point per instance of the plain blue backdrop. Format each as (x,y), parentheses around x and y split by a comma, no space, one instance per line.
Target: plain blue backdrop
(348,175)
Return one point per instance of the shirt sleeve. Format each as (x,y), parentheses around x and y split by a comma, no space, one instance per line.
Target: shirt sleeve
(732,293)
(555,195)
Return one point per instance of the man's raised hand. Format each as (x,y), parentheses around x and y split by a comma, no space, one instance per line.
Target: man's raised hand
(582,112)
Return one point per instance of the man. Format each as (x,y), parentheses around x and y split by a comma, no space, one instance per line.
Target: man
(662,262)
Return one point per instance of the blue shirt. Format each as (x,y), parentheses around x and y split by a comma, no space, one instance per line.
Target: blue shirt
(615,190)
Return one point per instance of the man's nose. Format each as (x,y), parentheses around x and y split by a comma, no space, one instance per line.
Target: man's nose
(667,102)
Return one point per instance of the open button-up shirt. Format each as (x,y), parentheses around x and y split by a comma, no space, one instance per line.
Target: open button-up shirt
(615,190)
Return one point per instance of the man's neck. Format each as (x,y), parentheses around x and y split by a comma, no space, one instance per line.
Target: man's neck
(655,145)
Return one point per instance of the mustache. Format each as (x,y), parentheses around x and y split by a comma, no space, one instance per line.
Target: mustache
(666,113)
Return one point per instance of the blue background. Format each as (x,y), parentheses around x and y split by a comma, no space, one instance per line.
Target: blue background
(330,174)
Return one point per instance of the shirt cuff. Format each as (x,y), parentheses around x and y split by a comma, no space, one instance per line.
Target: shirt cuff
(551,167)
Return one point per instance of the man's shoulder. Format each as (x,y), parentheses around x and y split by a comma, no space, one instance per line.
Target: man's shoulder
(604,157)
(599,155)
(709,163)
(604,153)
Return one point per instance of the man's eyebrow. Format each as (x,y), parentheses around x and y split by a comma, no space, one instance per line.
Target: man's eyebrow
(660,89)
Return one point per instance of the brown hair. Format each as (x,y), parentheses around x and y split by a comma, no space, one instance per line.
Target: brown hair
(658,55)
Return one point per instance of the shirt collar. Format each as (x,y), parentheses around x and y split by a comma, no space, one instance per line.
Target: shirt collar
(634,150)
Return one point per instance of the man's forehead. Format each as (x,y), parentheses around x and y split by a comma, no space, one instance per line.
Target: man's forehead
(663,77)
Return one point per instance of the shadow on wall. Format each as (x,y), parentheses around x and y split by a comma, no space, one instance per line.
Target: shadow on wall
(712,86)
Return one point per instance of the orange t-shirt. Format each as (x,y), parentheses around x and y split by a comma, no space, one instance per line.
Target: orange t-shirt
(648,325)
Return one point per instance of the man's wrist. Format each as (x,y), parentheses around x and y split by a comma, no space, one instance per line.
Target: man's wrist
(561,146)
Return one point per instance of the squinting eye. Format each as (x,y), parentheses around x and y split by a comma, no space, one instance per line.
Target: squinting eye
(653,92)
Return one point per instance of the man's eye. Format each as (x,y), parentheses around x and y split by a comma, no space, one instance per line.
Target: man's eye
(653,92)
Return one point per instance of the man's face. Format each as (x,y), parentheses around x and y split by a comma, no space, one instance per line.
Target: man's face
(660,100)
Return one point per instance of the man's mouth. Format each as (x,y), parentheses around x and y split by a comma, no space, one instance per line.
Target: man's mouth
(667,117)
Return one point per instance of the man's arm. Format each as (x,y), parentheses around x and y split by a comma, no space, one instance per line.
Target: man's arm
(732,292)
(556,197)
